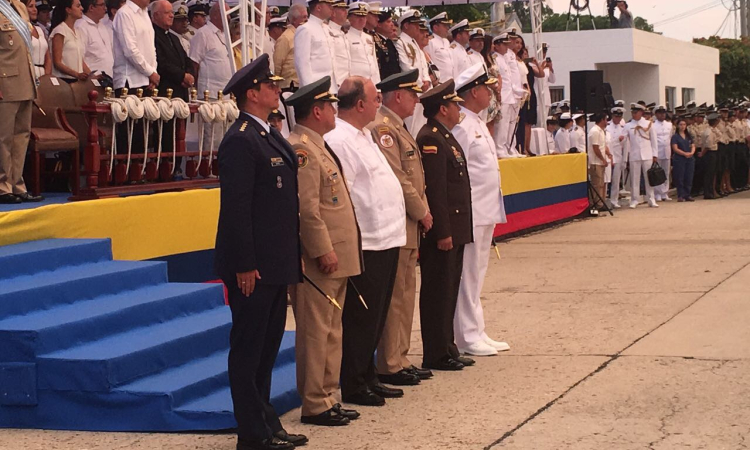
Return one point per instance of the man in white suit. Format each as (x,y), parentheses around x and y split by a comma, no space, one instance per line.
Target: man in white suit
(641,143)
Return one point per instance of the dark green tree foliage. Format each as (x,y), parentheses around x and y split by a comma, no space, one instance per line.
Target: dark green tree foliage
(557,22)
(478,12)
(733,81)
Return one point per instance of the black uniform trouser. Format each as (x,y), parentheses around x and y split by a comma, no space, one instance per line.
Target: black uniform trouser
(441,277)
(258,325)
(710,172)
(362,327)
(138,143)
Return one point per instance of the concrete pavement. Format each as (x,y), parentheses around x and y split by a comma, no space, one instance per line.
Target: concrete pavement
(627,332)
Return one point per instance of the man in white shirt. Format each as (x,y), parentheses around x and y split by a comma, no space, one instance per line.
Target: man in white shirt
(197,15)
(598,155)
(663,147)
(379,204)
(134,62)
(364,62)
(460,33)
(439,47)
(340,40)
(642,151)
(550,133)
(542,85)
(97,40)
(180,24)
(373,17)
(476,45)
(112,7)
(212,65)
(578,133)
(313,47)
(411,56)
(617,135)
(474,87)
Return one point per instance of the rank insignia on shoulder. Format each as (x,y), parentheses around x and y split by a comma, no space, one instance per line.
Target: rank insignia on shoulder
(386,140)
(434,129)
(429,149)
(304,139)
(243,126)
(386,120)
(276,162)
(302,159)
(453,45)
(461,117)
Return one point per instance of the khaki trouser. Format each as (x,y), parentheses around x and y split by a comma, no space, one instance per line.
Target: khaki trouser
(596,173)
(396,339)
(318,343)
(15,125)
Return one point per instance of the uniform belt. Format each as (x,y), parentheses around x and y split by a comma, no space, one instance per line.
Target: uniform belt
(38,65)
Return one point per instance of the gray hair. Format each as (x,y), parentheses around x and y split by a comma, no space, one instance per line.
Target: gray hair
(295,12)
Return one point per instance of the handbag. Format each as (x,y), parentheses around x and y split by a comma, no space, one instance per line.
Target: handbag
(656,175)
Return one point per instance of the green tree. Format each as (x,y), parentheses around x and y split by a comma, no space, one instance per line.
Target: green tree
(479,12)
(733,81)
(557,22)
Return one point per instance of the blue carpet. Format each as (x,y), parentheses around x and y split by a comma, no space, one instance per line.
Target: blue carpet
(88,343)
(49,199)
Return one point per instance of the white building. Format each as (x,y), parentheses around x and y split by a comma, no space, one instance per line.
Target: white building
(639,65)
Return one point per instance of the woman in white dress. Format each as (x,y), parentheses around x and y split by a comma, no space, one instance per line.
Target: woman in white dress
(39,49)
(67,46)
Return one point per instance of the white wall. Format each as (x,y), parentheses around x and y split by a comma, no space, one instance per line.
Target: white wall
(638,64)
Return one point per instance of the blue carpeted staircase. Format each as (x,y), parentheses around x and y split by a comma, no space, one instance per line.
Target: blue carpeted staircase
(88,343)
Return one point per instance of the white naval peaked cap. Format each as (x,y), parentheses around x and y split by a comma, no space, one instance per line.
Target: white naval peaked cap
(374,7)
(620,103)
(442,17)
(410,15)
(660,108)
(576,116)
(565,116)
(555,105)
(180,9)
(502,37)
(462,24)
(476,32)
(280,19)
(473,76)
(192,3)
(359,8)
(637,107)
(617,109)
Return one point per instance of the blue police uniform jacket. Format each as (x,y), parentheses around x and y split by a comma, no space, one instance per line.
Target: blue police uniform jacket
(259,216)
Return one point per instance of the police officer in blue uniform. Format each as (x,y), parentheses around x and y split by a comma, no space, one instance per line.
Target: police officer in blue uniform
(257,251)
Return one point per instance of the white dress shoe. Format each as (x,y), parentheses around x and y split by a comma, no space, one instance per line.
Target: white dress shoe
(616,205)
(653,204)
(499,346)
(478,348)
(667,198)
(633,205)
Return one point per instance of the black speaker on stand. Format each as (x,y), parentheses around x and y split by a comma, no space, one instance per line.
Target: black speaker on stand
(587,94)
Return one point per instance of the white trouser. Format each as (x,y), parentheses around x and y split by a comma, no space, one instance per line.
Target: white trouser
(504,129)
(663,189)
(614,185)
(636,168)
(416,121)
(468,323)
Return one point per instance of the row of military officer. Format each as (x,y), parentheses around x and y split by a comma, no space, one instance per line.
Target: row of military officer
(352,198)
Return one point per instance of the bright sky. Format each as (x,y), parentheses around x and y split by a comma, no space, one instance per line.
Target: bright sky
(704,17)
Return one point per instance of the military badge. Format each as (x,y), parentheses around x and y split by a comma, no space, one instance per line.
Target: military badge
(429,149)
(276,162)
(302,159)
(386,140)
(458,155)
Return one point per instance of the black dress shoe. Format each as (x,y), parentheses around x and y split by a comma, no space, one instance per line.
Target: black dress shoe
(26,197)
(366,398)
(296,439)
(328,418)
(465,361)
(9,199)
(400,378)
(386,392)
(423,374)
(348,413)
(273,443)
(445,363)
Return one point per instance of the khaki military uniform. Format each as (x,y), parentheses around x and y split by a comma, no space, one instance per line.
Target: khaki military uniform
(327,223)
(401,151)
(18,90)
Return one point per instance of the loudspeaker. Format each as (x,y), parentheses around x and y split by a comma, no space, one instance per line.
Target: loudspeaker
(587,91)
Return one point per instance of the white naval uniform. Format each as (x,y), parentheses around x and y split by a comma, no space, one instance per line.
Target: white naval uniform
(487,211)
(619,158)
(313,54)
(364,62)
(439,50)
(641,145)
(503,128)
(562,141)
(544,98)
(410,56)
(474,58)
(510,113)
(184,40)
(550,142)
(461,60)
(342,70)
(578,138)
(663,142)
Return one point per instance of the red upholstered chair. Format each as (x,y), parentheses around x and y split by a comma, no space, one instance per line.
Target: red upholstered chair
(51,133)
